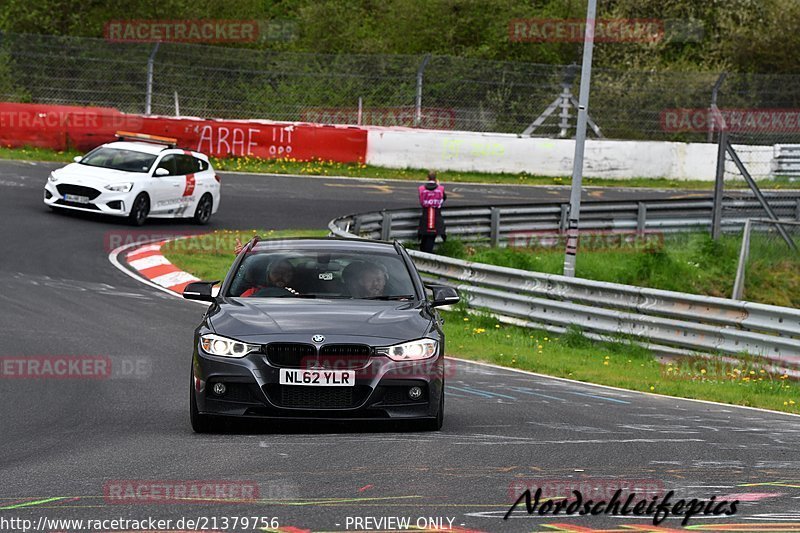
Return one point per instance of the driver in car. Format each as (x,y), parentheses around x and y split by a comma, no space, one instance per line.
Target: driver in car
(279,275)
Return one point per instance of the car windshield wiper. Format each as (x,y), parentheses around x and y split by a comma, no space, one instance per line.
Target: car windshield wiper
(395,297)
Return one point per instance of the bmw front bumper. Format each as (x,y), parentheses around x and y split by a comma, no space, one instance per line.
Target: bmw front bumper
(381,390)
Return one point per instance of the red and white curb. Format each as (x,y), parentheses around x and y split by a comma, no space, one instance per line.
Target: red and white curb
(145,263)
(148,261)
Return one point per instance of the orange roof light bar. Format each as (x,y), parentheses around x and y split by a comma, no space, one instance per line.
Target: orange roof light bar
(128,135)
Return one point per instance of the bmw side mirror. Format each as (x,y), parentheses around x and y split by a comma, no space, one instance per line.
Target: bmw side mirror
(200,290)
(444,295)
(160,171)
(77,158)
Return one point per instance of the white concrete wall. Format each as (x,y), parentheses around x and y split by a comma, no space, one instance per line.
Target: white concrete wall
(498,152)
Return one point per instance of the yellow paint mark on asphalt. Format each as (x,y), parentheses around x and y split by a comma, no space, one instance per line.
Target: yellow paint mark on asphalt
(791,484)
(376,189)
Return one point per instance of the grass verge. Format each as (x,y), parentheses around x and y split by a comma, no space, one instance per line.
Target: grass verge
(480,337)
(332,168)
(690,262)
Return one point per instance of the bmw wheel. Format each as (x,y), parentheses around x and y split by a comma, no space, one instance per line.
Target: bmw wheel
(140,210)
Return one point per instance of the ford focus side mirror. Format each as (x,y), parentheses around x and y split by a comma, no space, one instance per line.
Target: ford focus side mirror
(160,171)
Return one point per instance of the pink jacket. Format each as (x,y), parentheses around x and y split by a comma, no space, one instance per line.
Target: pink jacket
(431,197)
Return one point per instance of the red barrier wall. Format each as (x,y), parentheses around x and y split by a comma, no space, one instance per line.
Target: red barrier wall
(83,128)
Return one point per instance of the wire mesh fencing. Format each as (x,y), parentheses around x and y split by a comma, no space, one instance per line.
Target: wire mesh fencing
(437,92)
(766,262)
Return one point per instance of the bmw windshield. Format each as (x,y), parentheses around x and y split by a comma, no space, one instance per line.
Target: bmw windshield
(118,159)
(328,274)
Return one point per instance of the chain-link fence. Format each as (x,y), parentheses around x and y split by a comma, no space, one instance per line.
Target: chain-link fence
(436,92)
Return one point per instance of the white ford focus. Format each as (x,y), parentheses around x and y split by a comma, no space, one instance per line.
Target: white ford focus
(137,177)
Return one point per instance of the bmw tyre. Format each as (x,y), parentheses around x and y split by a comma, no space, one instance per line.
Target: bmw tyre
(202,214)
(435,424)
(139,210)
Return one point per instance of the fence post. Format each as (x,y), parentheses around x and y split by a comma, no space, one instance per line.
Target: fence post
(714,92)
(418,105)
(386,226)
(148,99)
(744,252)
(797,209)
(719,181)
(494,226)
(641,218)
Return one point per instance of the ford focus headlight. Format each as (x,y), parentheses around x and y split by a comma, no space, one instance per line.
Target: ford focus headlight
(411,351)
(120,187)
(225,347)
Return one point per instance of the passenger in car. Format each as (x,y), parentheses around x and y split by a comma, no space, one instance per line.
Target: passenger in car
(365,280)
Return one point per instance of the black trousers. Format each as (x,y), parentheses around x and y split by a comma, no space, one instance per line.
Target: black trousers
(426,244)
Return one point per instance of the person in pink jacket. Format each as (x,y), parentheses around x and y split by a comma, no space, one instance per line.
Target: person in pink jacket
(431,223)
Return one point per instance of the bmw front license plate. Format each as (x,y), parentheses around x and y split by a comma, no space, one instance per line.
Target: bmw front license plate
(318,378)
(77,199)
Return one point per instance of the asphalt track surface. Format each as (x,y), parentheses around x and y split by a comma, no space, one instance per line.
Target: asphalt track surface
(63,443)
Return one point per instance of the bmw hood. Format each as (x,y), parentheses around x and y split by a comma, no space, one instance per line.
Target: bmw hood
(246,319)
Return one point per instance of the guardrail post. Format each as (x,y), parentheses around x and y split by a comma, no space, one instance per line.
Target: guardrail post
(562,224)
(494,227)
(386,226)
(797,209)
(641,218)
(356,225)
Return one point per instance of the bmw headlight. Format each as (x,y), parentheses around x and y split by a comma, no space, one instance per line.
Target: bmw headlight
(225,347)
(119,187)
(411,351)
(52,177)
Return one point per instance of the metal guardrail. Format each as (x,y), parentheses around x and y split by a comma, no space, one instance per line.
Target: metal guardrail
(669,322)
(499,225)
(787,160)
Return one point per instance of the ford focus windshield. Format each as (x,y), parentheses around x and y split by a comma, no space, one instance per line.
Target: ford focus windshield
(312,274)
(117,159)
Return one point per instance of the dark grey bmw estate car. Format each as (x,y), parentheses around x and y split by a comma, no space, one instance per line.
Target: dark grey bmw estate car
(320,329)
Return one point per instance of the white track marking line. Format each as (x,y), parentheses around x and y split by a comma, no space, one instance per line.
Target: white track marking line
(629,391)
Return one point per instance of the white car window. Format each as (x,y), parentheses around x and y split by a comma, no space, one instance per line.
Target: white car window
(117,159)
